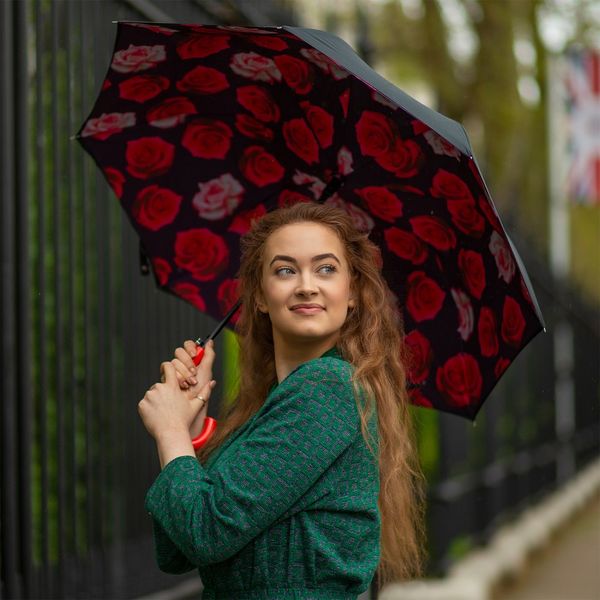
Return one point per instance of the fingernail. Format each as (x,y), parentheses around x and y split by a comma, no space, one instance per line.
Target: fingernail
(192,380)
(192,369)
(213,383)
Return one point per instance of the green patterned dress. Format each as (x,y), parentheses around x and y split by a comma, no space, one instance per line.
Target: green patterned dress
(286,508)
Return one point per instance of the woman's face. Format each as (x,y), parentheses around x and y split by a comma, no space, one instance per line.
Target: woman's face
(305,283)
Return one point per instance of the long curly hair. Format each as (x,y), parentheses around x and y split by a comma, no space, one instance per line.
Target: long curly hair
(371,339)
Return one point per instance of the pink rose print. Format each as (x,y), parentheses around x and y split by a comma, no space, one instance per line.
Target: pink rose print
(486,328)
(381,202)
(201,252)
(218,197)
(459,380)
(361,220)
(108,124)
(503,257)
(425,297)
(434,231)
(154,207)
(191,293)
(406,245)
(255,67)
(116,179)
(316,185)
(450,187)
(162,270)
(440,145)
(465,313)
(344,161)
(138,58)
(143,87)
(242,222)
(383,100)
(513,323)
(470,264)
(324,63)
(170,112)
(149,157)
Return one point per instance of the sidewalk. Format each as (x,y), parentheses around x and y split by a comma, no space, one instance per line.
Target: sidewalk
(568,569)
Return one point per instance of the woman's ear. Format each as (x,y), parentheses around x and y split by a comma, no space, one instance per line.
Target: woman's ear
(260,303)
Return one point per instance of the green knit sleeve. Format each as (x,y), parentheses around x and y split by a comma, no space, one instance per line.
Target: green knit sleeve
(310,420)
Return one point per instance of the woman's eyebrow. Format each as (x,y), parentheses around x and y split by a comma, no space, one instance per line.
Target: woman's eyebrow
(316,258)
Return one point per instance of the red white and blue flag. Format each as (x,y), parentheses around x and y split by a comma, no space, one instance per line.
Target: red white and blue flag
(582,87)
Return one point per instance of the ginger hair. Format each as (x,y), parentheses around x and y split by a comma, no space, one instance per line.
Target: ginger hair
(372,340)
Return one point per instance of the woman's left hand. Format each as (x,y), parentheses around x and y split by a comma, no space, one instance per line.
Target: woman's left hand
(165,408)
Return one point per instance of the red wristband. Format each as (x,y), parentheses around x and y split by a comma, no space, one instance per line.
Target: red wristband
(208,429)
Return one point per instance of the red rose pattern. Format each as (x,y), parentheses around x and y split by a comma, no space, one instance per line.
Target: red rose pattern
(412,191)
(154,207)
(201,252)
(459,380)
(149,157)
(207,139)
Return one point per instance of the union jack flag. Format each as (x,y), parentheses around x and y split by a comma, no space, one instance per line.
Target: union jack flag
(582,87)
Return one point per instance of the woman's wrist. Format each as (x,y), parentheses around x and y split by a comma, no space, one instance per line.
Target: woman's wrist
(172,443)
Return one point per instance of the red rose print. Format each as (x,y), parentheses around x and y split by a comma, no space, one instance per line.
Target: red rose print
(465,216)
(470,264)
(486,328)
(162,270)
(513,323)
(154,207)
(375,133)
(488,211)
(138,58)
(300,140)
(320,121)
(116,179)
(218,197)
(260,167)
(154,28)
(252,128)
(459,380)
(203,80)
(418,127)
(434,231)
(143,87)
(403,159)
(418,399)
(268,42)
(440,145)
(227,296)
(259,102)
(149,157)
(243,221)
(525,292)
(255,67)
(108,124)
(381,202)
(170,112)
(106,84)
(296,73)
(405,245)
(503,257)
(201,252)
(465,313)
(450,187)
(190,292)
(207,139)
(289,197)
(501,366)
(424,298)
(420,356)
(344,100)
(200,46)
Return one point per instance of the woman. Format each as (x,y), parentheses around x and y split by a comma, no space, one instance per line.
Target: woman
(311,481)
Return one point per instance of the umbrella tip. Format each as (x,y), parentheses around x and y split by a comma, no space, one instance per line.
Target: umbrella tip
(73,137)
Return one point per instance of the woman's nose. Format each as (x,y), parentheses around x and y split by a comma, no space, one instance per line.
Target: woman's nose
(306,285)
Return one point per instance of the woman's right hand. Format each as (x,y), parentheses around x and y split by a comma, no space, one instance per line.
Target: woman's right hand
(193,378)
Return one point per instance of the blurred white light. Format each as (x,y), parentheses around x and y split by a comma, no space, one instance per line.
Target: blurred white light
(528,90)
(525,52)
(413,9)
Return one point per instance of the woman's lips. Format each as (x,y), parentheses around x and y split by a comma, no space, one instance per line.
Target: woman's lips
(307,310)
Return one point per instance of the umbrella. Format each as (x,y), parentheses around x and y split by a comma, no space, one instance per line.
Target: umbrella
(200,129)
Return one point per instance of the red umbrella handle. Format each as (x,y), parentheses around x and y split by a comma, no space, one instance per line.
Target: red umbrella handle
(210,424)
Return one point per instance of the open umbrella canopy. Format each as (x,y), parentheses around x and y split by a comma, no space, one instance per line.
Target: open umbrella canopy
(201,129)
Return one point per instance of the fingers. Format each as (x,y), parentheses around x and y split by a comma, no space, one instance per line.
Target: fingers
(200,399)
(184,374)
(169,374)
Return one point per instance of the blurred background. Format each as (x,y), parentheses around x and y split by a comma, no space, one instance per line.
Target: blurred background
(83,332)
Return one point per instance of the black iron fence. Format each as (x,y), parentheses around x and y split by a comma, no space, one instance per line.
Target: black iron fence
(83,333)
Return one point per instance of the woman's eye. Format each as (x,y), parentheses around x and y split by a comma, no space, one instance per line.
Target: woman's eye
(328,268)
(281,270)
